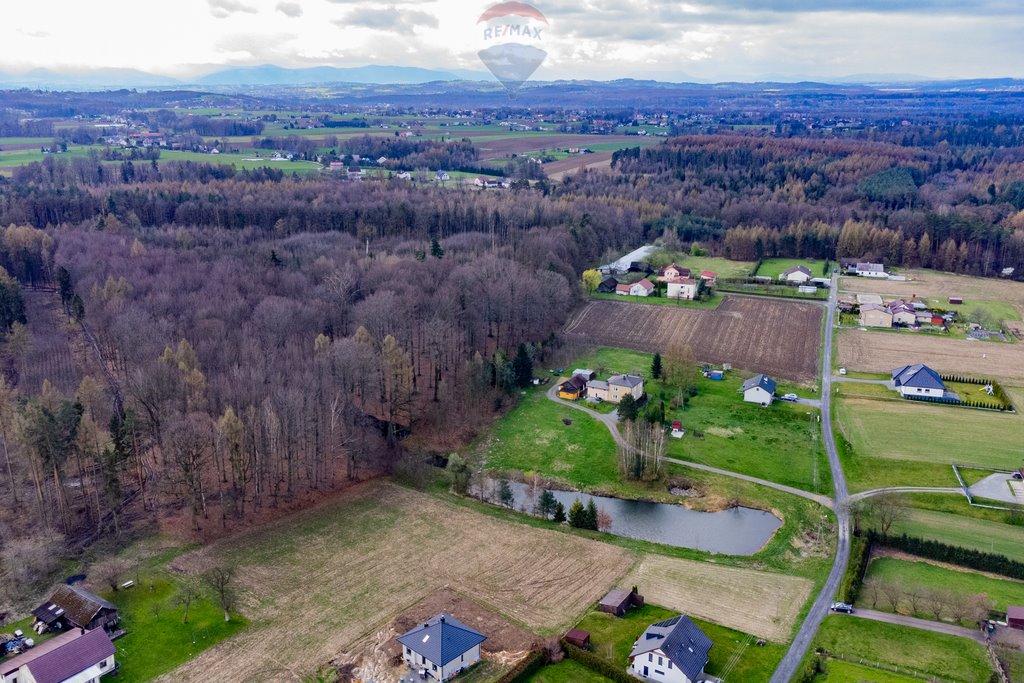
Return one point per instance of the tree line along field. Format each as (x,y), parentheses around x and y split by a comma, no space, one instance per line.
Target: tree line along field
(778,338)
(901,443)
(315,585)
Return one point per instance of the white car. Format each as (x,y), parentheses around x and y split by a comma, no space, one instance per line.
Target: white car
(790,397)
(842,371)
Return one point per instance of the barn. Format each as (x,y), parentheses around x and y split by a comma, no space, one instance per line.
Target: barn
(618,601)
(1015,617)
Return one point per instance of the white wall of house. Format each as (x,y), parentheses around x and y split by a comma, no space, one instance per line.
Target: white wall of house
(438,672)
(757,395)
(647,666)
(798,277)
(918,391)
(873,273)
(638,290)
(680,290)
(904,318)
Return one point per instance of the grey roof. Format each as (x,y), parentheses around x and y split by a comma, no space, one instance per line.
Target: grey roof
(442,639)
(917,375)
(871,267)
(763,381)
(681,640)
(616,597)
(628,381)
(62,657)
(797,269)
(76,604)
(597,384)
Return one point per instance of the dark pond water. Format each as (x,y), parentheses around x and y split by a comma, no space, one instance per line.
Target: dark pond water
(738,531)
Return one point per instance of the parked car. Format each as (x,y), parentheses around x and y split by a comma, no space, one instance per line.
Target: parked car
(844,607)
(842,371)
(790,397)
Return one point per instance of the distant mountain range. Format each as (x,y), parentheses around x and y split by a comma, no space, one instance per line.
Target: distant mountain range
(272,75)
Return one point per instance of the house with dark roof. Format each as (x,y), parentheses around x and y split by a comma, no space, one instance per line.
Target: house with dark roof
(673,651)
(607,285)
(871,270)
(918,380)
(573,389)
(76,656)
(759,389)
(74,607)
(441,647)
(621,385)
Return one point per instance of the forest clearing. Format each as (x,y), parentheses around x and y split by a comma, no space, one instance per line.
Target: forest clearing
(779,338)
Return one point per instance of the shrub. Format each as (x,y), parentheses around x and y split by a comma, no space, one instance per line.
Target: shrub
(597,664)
(860,552)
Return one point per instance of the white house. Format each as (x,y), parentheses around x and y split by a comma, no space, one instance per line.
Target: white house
(682,288)
(442,176)
(643,288)
(797,274)
(918,380)
(670,651)
(759,389)
(75,656)
(441,647)
(871,270)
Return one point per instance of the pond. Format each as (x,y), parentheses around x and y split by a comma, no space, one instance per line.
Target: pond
(737,531)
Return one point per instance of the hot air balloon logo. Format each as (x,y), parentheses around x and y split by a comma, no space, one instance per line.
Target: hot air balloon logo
(513,33)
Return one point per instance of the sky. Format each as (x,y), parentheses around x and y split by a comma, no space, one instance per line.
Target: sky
(708,40)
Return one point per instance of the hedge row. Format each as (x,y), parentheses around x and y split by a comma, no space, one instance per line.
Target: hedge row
(860,553)
(526,667)
(965,557)
(597,664)
(956,402)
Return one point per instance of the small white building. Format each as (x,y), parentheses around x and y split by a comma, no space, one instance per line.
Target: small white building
(876,270)
(643,288)
(75,656)
(671,651)
(796,275)
(441,647)
(682,288)
(759,389)
(918,380)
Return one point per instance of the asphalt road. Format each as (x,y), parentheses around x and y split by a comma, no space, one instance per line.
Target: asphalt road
(802,642)
(924,624)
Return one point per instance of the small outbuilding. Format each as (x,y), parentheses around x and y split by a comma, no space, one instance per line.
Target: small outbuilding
(579,638)
(618,601)
(573,389)
(956,300)
(74,607)
(1015,617)
(607,286)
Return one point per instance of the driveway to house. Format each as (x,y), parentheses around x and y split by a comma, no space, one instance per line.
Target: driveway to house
(812,402)
(611,421)
(802,642)
(923,624)
(854,380)
(994,487)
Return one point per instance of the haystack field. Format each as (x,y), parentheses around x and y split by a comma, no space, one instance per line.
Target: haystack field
(777,337)
(317,584)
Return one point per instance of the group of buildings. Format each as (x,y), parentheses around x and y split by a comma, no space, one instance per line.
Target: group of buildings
(680,283)
(584,385)
(874,312)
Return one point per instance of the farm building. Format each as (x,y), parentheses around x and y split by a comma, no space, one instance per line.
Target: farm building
(573,389)
(607,286)
(956,300)
(872,315)
(442,176)
(682,288)
(672,272)
(585,373)
(918,380)
(1015,617)
(759,389)
(673,651)
(643,288)
(618,601)
(797,275)
(871,270)
(441,647)
(74,607)
(579,638)
(710,277)
(76,656)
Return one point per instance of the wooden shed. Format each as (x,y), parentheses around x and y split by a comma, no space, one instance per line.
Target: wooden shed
(579,638)
(956,300)
(617,601)
(1015,617)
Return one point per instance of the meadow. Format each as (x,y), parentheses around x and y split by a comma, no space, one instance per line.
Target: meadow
(773,267)
(965,532)
(928,576)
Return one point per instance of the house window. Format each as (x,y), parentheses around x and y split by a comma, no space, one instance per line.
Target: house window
(103,664)
(650,657)
(670,665)
(434,667)
(660,662)
(408,651)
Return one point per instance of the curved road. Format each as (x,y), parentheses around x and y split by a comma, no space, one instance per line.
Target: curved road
(802,642)
(611,421)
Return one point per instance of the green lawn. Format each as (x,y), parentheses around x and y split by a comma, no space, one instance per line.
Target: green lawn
(997,310)
(724,268)
(935,654)
(965,532)
(734,654)
(241,161)
(1002,592)
(845,672)
(902,443)
(773,267)
(157,641)
(566,671)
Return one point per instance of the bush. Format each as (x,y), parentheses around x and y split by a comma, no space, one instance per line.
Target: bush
(598,665)
(860,552)
(526,667)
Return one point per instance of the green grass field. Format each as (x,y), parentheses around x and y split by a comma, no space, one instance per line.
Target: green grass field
(773,267)
(998,310)
(845,672)
(1002,592)
(157,641)
(613,638)
(724,268)
(241,161)
(901,443)
(965,532)
(910,649)
(781,443)
(566,671)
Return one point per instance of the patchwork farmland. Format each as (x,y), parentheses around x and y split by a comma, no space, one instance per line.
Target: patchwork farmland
(779,338)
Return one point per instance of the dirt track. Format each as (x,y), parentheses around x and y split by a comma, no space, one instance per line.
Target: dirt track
(776,337)
(873,351)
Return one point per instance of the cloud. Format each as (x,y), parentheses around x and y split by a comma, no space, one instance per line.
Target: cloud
(222,9)
(390,19)
(34,34)
(291,9)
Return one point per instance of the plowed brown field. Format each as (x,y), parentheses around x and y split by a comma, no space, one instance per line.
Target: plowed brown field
(779,338)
